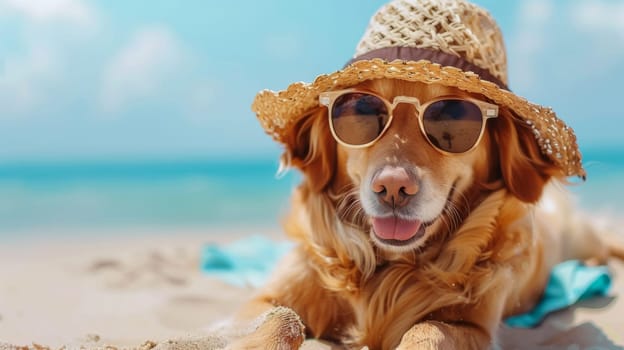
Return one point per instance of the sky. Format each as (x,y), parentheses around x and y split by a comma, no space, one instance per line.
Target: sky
(117,79)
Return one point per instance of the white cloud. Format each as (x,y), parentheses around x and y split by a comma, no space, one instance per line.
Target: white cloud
(140,68)
(73,11)
(599,26)
(33,73)
(586,33)
(534,16)
(597,16)
(26,79)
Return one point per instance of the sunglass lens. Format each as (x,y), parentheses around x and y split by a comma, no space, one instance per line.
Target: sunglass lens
(358,118)
(453,125)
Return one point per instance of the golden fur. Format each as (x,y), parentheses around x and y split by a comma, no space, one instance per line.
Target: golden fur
(486,256)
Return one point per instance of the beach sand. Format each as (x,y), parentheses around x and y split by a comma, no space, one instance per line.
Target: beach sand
(144,290)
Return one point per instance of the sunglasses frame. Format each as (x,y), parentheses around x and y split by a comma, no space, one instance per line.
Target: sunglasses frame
(328,98)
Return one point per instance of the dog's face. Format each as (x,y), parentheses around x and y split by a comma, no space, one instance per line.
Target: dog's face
(404,190)
(406,187)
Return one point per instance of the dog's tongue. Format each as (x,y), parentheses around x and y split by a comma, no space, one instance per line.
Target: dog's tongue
(395,228)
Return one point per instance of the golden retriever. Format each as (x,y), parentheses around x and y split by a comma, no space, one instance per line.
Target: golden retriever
(492,225)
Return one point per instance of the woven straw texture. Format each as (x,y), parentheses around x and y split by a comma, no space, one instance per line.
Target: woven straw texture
(452,26)
(455,27)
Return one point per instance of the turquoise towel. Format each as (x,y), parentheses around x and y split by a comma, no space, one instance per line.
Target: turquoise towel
(569,282)
(249,261)
(246,262)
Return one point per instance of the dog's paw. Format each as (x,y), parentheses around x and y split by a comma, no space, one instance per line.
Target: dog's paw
(278,329)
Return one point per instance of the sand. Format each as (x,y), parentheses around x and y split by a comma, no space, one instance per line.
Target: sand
(143,289)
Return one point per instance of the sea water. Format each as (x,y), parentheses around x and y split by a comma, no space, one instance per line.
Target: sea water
(119,195)
(110,195)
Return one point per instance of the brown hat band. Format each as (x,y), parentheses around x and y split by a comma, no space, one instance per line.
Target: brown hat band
(415,54)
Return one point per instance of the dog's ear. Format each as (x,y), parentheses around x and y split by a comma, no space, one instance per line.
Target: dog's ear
(311,148)
(524,169)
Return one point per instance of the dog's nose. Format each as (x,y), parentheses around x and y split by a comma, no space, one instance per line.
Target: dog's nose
(395,186)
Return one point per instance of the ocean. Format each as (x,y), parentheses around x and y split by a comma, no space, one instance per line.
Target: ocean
(162,194)
(37,196)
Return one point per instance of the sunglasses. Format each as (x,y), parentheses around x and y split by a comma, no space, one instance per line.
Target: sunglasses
(450,124)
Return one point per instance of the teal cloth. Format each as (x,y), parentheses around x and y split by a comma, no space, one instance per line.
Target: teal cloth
(249,261)
(569,283)
(246,262)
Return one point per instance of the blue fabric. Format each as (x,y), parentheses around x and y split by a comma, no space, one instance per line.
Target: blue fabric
(249,261)
(569,282)
(246,262)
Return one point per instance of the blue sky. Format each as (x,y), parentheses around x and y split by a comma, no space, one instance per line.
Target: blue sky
(118,79)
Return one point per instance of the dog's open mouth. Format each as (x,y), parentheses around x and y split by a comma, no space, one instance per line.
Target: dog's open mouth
(396,231)
(393,230)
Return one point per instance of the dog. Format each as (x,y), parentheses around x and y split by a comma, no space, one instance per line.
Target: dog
(489,225)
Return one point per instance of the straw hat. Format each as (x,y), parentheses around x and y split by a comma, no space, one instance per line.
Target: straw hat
(449,42)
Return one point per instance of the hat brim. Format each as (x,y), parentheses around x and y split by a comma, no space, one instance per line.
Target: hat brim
(278,111)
